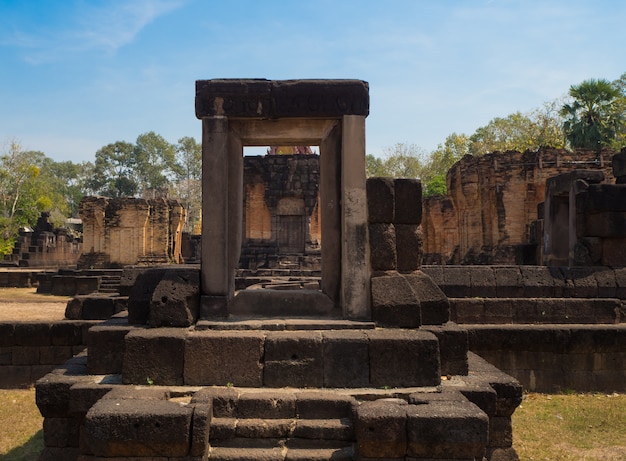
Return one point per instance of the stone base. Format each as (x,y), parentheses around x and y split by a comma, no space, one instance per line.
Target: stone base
(466,417)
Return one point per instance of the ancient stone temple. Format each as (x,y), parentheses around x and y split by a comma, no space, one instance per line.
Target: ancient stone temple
(491,200)
(281,218)
(123,231)
(349,370)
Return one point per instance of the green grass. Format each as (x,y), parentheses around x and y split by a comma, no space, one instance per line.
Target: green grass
(567,427)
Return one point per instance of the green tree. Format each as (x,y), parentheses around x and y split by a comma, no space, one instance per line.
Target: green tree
(114,173)
(155,161)
(436,186)
(403,161)
(518,132)
(188,185)
(373,166)
(593,117)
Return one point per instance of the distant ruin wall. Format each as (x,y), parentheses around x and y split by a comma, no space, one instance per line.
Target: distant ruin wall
(123,231)
(281,213)
(492,199)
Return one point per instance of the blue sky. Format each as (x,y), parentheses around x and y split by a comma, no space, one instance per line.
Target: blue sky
(76,75)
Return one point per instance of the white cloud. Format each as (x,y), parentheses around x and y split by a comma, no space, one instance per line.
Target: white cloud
(105,27)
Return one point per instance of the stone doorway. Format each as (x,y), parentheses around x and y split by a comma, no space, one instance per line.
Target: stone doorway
(327,113)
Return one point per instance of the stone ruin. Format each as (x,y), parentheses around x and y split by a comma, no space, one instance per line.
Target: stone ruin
(367,366)
(45,246)
(281,218)
(123,231)
(491,202)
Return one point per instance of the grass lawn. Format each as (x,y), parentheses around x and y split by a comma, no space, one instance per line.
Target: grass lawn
(568,427)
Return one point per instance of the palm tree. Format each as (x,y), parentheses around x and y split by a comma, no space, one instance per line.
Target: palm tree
(592,119)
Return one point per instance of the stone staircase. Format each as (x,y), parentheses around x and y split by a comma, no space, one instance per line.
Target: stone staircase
(110,282)
(257,424)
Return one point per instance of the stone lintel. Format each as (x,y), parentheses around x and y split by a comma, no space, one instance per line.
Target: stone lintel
(274,99)
(562,183)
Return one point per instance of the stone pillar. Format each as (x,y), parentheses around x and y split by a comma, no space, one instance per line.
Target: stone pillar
(330,203)
(215,276)
(355,265)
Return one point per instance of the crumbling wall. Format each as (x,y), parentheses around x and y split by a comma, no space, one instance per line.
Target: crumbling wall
(123,231)
(494,198)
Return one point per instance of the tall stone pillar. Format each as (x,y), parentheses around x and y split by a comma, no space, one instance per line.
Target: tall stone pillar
(215,274)
(355,271)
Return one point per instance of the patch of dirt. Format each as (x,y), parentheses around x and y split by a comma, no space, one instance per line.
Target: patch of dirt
(25,304)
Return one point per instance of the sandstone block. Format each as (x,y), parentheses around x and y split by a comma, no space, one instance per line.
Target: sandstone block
(618,163)
(381,429)
(140,428)
(508,282)
(409,247)
(453,347)
(293,359)
(538,281)
(176,299)
(453,430)
(403,358)
(106,347)
(222,357)
(380,200)
(61,432)
(456,281)
(154,356)
(318,405)
(434,304)
(394,303)
(268,404)
(383,254)
(67,333)
(346,355)
(32,334)
(408,201)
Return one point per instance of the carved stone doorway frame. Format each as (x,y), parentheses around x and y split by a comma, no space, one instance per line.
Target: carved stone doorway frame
(327,113)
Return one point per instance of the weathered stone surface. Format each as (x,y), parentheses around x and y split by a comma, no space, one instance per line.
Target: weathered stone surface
(141,295)
(434,304)
(453,430)
(409,247)
(154,356)
(122,231)
(259,98)
(176,299)
(97,306)
(380,200)
(271,405)
(321,405)
(381,429)
(106,347)
(403,358)
(140,428)
(453,347)
(346,358)
(494,198)
(408,201)
(61,432)
(205,366)
(383,255)
(281,303)
(293,359)
(394,303)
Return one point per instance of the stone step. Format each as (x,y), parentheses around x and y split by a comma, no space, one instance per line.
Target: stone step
(280,454)
(537,310)
(264,433)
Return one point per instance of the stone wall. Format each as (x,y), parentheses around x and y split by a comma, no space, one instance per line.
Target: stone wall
(490,202)
(123,231)
(30,350)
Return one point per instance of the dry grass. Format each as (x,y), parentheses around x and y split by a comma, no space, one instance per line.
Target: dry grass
(25,304)
(21,437)
(576,427)
(573,427)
